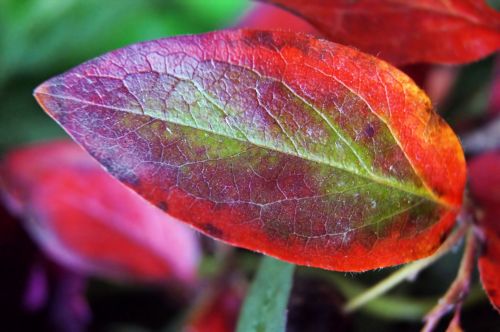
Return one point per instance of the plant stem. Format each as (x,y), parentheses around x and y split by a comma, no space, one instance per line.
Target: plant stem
(458,289)
(264,309)
(390,307)
(454,325)
(408,272)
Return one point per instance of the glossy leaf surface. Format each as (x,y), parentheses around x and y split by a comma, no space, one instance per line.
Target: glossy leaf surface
(277,142)
(484,173)
(88,221)
(435,31)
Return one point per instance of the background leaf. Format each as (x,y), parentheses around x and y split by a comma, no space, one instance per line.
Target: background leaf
(484,173)
(435,31)
(89,222)
(264,309)
(268,17)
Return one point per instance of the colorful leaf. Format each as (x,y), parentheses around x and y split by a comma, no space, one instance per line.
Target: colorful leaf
(435,31)
(484,173)
(273,141)
(88,221)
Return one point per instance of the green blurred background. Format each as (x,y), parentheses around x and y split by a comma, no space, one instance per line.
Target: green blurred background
(41,38)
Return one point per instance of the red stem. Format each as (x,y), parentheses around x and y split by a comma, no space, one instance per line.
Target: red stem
(458,289)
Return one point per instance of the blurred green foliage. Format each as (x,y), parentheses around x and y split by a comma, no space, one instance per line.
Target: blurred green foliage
(41,38)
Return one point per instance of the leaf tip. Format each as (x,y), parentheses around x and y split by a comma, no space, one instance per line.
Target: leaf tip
(41,94)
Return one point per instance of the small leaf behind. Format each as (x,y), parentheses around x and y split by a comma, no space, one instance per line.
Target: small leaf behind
(435,31)
(89,222)
(484,173)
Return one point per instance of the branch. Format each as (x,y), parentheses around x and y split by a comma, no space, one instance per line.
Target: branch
(408,272)
(458,289)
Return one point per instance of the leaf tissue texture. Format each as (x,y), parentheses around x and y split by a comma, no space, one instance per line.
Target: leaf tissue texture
(484,174)
(401,31)
(88,221)
(273,141)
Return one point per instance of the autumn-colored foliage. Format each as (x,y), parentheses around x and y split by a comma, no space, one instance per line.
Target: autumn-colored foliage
(484,172)
(292,134)
(435,31)
(88,221)
(268,17)
(278,142)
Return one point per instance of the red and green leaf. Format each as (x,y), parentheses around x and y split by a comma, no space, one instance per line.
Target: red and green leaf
(484,173)
(277,142)
(435,31)
(88,221)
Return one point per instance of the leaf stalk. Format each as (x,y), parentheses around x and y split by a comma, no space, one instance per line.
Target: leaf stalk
(407,272)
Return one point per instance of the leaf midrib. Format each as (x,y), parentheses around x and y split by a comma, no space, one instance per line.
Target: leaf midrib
(371,177)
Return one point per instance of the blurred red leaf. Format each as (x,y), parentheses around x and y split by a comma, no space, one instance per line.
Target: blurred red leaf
(435,31)
(88,221)
(484,173)
(269,17)
(218,310)
(278,142)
